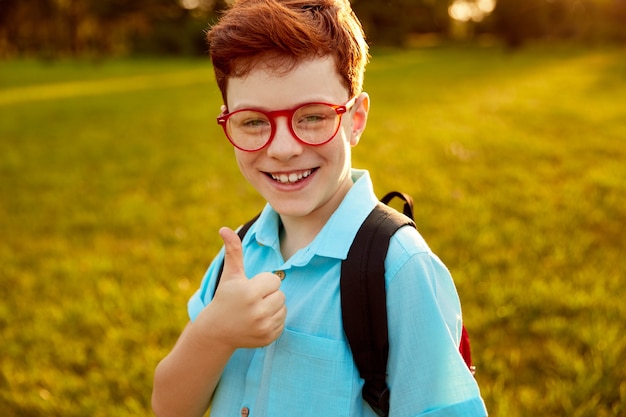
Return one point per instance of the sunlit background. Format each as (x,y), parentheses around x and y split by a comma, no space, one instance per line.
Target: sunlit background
(98,28)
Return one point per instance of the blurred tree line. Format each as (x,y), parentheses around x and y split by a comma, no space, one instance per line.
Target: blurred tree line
(56,28)
(594,21)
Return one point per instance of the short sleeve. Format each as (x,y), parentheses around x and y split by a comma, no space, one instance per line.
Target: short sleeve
(427,375)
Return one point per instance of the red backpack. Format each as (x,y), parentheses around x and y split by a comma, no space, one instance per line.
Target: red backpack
(365,316)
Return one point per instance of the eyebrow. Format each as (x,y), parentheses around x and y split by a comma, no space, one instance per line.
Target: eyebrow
(267,109)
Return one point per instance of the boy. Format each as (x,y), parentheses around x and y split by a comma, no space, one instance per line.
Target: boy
(270,341)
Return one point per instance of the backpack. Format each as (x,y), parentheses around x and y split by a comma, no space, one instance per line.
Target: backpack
(365,315)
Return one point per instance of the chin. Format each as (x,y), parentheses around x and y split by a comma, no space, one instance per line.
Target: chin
(292,210)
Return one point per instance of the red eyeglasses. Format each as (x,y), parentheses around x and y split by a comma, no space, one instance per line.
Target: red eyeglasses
(311,123)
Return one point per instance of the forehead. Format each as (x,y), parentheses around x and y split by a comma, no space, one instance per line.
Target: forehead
(268,87)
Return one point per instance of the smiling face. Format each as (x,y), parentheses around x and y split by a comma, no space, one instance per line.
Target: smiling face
(299,180)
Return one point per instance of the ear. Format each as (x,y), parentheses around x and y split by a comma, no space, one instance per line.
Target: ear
(359,117)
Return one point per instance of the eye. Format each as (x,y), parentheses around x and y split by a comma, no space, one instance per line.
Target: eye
(249,120)
(313,115)
(311,118)
(252,123)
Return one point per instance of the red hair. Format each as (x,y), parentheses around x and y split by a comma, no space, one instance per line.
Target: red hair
(283,33)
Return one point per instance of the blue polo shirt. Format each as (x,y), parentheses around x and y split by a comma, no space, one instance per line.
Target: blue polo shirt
(309,370)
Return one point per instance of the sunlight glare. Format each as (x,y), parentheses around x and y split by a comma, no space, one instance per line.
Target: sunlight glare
(190,4)
(466,10)
(486,6)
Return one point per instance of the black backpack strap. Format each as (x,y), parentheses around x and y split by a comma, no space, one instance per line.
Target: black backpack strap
(241,232)
(364,301)
(407,208)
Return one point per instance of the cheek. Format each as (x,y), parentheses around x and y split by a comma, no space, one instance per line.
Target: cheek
(339,153)
(347,135)
(244,161)
(344,143)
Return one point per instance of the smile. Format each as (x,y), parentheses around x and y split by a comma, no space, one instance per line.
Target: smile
(291,178)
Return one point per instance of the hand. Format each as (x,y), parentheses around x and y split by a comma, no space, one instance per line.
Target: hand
(248,312)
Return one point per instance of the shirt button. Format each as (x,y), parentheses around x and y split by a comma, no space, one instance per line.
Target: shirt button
(245,412)
(280,274)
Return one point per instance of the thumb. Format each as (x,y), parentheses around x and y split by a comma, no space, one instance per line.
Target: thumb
(233,257)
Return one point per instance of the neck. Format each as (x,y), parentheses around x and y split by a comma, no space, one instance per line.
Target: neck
(299,231)
(296,234)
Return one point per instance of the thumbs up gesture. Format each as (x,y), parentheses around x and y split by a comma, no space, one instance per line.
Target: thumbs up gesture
(251,312)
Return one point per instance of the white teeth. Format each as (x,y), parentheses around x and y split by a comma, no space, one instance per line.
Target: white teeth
(291,178)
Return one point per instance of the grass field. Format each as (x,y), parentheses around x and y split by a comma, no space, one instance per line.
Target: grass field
(114,179)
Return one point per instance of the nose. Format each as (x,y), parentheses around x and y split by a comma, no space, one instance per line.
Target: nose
(284,145)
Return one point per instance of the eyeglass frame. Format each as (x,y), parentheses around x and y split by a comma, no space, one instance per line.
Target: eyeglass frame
(340,109)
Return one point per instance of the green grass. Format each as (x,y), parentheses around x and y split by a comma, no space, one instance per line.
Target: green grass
(114,179)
